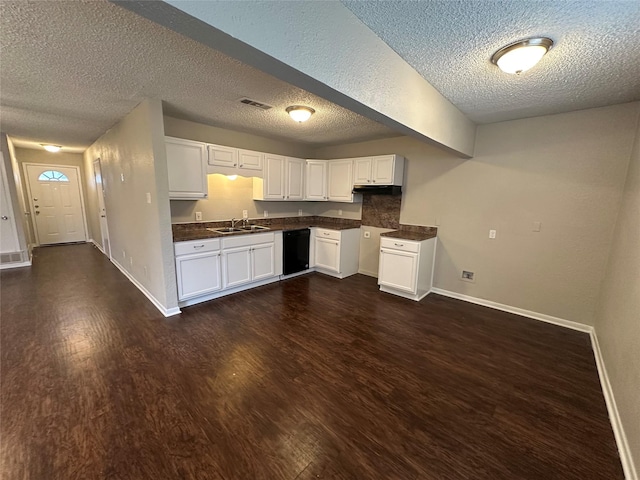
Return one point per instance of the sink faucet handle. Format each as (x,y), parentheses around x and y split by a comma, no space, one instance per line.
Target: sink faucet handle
(233,222)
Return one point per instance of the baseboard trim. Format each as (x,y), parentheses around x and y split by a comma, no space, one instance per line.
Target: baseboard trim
(167,312)
(6,266)
(581,327)
(97,245)
(368,273)
(614,416)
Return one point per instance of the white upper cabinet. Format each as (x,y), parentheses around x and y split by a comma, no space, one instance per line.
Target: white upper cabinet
(316,180)
(187,165)
(282,179)
(223,156)
(379,170)
(362,171)
(234,161)
(250,160)
(340,181)
(295,178)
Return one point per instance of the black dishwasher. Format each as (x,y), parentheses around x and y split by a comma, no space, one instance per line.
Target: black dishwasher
(295,250)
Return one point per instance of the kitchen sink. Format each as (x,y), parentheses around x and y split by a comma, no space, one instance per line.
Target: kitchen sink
(254,228)
(225,230)
(229,230)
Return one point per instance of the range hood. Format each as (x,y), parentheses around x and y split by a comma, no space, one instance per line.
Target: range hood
(378,189)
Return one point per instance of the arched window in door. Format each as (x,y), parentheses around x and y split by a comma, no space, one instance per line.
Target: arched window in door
(52,176)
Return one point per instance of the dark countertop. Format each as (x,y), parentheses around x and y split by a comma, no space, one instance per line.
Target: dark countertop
(183,232)
(413,232)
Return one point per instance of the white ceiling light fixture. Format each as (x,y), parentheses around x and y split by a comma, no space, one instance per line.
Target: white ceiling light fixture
(51,148)
(520,56)
(300,113)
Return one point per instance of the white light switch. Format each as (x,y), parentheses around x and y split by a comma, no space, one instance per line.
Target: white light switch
(266,214)
(198,216)
(122,177)
(492,234)
(340,212)
(537,226)
(148,197)
(245,214)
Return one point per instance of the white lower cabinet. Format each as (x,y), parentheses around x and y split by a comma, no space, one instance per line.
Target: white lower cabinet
(406,267)
(335,252)
(198,268)
(248,258)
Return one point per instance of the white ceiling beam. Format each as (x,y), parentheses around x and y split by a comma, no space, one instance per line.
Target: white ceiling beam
(324,49)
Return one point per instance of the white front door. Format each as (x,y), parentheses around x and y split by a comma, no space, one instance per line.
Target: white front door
(8,237)
(104,228)
(56,204)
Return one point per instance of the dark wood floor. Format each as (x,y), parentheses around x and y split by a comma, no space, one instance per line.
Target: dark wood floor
(309,378)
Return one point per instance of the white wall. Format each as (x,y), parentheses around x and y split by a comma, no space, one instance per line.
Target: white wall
(134,147)
(566,171)
(618,316)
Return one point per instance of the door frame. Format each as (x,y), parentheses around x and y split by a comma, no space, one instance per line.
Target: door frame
(29,202)
(100,193)
(9,203)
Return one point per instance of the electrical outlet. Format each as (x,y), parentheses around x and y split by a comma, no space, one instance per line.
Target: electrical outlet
(122,177)
(537,226)
(124,254)
(340,212)
(467,276)
(198,216)
(492,234)
(300,212)
(131,261)
(367,234)
(266,214)
(148,197)
(245,214)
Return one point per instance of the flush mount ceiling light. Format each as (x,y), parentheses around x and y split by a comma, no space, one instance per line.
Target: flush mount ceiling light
(520,56)
(299,113)
(51,148)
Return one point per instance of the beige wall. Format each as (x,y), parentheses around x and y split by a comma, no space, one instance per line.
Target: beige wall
(30,155)
(618,316)
(134,147)
(566,171)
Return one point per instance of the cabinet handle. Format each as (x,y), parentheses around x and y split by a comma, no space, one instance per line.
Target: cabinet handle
(325,233)
(399,244)
(235,164)
(198,246)
(283,197)
(241,165)
(373,181)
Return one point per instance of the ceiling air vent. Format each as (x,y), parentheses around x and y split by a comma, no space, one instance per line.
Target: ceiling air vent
(254,103)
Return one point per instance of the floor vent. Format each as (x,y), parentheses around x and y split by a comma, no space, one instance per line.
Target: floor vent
(10,257)
(254,103)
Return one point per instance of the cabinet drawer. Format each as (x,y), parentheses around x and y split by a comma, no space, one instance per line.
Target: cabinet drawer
(249,239)
(399,244)
(196,246)
(325,233)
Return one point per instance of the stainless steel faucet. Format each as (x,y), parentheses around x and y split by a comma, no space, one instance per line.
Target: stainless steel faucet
(233,222)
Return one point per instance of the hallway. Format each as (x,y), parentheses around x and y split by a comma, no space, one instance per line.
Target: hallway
(312,377)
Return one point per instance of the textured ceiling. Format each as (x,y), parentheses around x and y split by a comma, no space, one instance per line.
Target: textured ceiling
(71,70)
(595,61)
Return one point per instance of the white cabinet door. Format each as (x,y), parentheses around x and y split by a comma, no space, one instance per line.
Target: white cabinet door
(383,169)
(316,180)
(398,270)
(237,266)
(249,160)
(295,179)
(198,274)
(262,261)
(361,171)
(223,156)
(187,166)
(327,254)
(274,169)
(340,181)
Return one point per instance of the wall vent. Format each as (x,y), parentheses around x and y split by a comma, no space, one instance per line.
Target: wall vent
(255,103)
(10,257)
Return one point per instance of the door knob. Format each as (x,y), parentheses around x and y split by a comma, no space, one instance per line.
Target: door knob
(37,212)
(4,217)
(103,216)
